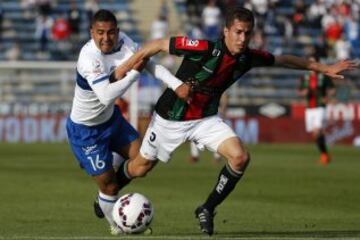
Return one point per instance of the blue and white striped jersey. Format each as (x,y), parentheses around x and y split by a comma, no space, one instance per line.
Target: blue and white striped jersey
(94,97)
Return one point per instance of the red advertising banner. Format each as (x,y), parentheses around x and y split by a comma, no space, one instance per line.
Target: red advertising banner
(343,126)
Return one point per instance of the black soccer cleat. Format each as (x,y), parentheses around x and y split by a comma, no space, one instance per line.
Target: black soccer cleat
(97,209)
(206,220)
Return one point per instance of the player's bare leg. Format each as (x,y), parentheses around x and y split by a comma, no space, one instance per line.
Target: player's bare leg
(140,166)
(111,182)
(108,190)
(237,160)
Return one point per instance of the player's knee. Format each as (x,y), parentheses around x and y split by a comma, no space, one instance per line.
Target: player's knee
(240,161)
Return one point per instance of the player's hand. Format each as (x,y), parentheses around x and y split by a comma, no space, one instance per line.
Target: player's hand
(120,71)
(139,66)
(333,71)
(184,92)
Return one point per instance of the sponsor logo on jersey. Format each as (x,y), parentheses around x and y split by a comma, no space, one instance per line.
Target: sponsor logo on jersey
(90,149)
(192,43)
(216,52)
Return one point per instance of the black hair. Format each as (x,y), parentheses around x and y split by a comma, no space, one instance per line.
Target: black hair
(103,15)
(239,13)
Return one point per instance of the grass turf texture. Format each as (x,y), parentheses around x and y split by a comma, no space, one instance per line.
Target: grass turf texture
(285,194)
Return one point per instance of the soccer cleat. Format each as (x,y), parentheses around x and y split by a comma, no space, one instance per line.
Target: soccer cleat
(324,158)
(206,220)
(97,209)
(115,230)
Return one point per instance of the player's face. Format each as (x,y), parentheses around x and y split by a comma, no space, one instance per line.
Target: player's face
(237,37)
(105,35)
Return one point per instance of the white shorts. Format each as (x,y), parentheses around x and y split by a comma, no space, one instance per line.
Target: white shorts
(314,118)
(164,136)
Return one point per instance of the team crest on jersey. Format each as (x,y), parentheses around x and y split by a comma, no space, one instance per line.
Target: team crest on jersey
(192,43)
(98,69)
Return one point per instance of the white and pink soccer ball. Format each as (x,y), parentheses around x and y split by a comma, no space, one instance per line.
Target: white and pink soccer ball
(133,213)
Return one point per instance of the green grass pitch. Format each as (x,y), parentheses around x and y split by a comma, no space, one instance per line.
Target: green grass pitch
(285,194)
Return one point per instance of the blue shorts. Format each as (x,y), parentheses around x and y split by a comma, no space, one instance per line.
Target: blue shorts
(93,146)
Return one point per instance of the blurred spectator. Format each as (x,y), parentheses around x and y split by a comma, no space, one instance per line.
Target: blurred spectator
(13,53)
(74,19)
(352,30)
(61,29)
(164,10)
(44,7)
(211,20)
(328,18)
(260,8)
(333,33)
(193,10)
(194,31)
(316,10)
(43,31)
(299,16)
(159,28)
(91,6)
(342,49)
(271,25)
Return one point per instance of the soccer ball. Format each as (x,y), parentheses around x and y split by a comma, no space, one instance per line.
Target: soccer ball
(133,213)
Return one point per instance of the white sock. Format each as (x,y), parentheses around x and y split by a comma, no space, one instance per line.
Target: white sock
(117,160)
(106,203)
(194,150)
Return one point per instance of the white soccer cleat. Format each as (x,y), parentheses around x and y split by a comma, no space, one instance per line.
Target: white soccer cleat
(115,230)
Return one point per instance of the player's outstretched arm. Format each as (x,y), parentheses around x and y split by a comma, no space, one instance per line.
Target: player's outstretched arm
(120,71)
(333,71)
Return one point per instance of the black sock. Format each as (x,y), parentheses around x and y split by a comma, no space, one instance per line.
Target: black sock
(122,175)
(227,181)
(320,142)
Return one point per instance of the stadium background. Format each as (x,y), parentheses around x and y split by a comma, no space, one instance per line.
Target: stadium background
(40,41)
(284,194)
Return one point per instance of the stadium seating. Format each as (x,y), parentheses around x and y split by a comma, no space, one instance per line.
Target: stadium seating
(19,26)
(257,87)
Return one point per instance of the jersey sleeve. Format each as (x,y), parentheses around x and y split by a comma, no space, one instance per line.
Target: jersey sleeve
(91,67)
(92,71)
(260,58)
(185,46)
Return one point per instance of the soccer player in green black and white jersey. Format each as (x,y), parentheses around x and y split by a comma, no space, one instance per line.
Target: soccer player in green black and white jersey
(211,67)
(317,88)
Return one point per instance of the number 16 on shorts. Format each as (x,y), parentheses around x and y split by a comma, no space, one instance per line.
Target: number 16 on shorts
(96,163)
